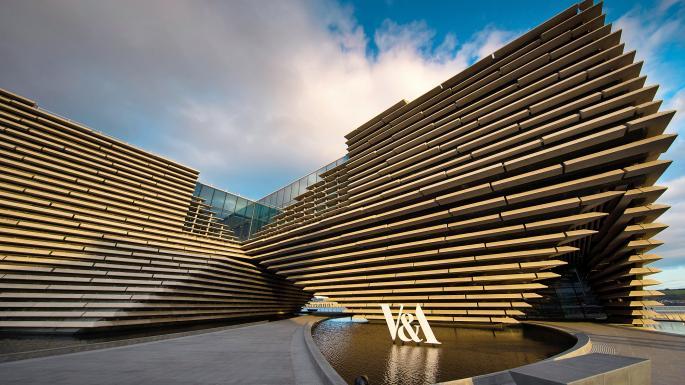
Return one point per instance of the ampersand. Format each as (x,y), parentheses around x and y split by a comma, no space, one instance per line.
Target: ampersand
(406,320)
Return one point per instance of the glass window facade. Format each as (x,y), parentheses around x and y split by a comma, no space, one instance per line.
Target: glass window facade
(286,196)
(246,217)
(243,216)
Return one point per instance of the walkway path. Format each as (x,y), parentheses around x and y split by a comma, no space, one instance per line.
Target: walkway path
(271,353)
(667,351)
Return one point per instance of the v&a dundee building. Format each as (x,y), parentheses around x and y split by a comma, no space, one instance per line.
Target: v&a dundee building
(522,188)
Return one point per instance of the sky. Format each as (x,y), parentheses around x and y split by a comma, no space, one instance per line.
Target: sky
(255,94)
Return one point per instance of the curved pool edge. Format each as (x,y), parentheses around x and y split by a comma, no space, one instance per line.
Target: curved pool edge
(325,369)
(582,346)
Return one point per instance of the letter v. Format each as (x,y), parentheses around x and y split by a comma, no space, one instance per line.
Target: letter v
(392,325)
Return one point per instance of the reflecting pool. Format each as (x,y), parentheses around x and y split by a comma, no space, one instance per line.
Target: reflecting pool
(354,349)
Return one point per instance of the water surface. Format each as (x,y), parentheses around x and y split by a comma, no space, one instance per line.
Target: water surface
(365,348)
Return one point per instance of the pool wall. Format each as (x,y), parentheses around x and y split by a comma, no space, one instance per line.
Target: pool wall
(582,346)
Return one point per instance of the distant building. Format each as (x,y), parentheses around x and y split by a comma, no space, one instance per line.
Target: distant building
(322,305)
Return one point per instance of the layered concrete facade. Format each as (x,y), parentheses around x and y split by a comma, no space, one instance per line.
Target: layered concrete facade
(538,160)
(96,233)
(472,198)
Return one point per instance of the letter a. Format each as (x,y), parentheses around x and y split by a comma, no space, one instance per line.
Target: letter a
(427,331)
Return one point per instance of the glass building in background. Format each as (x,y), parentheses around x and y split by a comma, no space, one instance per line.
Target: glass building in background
(286,196)
(244,216)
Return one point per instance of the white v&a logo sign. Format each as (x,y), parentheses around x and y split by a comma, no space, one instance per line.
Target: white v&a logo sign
(408,332)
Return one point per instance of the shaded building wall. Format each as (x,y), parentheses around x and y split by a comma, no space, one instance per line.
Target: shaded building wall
(537,161)
(96,233)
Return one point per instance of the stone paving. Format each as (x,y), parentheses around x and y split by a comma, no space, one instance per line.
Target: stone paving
(666,351)
(271,353)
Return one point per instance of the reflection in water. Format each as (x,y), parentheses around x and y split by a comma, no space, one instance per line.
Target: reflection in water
(354,349)
(418,363)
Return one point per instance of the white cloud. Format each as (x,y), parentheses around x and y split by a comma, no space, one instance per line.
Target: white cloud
(646,34)
(676,102)
(674,236)
(649,31)
(664,5)
(671,278)
(487,41)
(673,250)
(333,86)
(232,88)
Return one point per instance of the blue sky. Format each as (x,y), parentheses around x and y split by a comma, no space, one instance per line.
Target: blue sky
(255,94)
